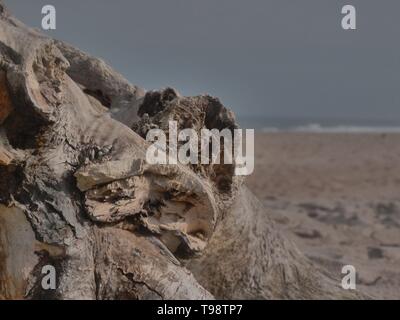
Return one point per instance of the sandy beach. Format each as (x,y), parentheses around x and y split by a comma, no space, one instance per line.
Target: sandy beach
(337,197)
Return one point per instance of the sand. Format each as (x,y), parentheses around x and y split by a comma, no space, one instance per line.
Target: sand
(338,197)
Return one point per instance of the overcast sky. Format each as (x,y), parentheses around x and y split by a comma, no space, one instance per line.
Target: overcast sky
(286,58)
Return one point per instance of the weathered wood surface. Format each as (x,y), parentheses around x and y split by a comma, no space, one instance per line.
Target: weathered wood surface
(77,193)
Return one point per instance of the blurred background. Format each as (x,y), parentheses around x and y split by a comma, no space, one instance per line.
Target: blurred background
(278,64)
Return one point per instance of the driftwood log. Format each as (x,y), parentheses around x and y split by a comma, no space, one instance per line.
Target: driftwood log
(77,193)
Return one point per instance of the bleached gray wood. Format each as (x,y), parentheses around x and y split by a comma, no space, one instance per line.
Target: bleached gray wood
(77,193)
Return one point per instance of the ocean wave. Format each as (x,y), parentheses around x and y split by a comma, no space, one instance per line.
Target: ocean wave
(317,128)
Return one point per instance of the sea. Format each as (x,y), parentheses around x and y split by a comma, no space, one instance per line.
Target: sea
(319,125)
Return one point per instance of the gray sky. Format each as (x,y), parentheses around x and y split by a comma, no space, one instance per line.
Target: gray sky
(285,58)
